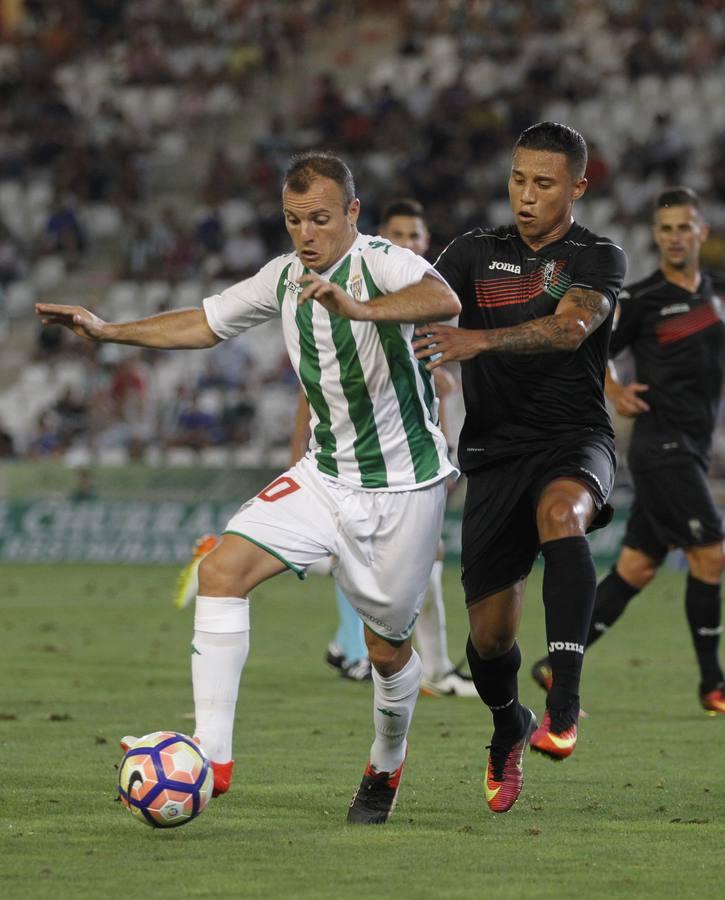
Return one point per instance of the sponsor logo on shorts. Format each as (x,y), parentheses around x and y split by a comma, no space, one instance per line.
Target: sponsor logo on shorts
(383,626)
(696,529)
(507,267)
(369,618)
(571,646)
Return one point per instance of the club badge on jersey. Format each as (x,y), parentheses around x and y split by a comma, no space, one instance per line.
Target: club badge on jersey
(355,286)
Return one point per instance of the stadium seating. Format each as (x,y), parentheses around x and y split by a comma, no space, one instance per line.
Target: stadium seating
(140,121)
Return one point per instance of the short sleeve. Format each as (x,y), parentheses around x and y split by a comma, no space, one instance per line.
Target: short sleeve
(600,267)
(454,264)
(247,303)
(394,268)
(626,323)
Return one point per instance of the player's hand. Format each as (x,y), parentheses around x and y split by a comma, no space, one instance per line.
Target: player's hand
(627,401)
(439,344)
(331,296)
(79,320)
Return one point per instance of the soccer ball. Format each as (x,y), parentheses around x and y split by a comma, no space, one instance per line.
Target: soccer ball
(165,779)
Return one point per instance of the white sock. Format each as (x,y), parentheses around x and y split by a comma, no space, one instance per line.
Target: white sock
(430,629)
(393,704)
(218,653)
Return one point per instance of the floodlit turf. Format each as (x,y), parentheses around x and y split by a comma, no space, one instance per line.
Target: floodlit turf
(92,653)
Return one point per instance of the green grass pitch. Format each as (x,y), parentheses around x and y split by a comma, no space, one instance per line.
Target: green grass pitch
(90,653)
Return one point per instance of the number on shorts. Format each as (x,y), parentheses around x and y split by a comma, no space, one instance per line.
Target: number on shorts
(280,488)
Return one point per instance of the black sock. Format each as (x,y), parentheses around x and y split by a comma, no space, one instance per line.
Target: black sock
(497,685)
(702,605)
(613,595)
(570,584)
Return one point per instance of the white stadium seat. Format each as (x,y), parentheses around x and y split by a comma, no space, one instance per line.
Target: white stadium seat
(153,295)
(123,301)
(48,272)
(19,299)
(187,293)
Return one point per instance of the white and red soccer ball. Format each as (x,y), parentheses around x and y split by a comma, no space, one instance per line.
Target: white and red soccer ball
(165,779)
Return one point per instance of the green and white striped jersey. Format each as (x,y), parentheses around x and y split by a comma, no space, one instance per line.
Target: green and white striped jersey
(374,413)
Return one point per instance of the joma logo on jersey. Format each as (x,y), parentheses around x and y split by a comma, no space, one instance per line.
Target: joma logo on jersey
(507,267)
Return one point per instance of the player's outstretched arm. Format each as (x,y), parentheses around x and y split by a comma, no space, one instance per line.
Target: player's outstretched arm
(179,329)
(429,300)
(579,313)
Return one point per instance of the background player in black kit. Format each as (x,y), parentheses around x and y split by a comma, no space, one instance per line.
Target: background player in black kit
(537,445)
(672,323)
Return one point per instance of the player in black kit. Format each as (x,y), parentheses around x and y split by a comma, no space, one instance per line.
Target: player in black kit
(537,444)
(672,323)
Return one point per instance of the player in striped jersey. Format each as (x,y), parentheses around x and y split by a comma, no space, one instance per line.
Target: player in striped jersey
(371,490)
(403,224)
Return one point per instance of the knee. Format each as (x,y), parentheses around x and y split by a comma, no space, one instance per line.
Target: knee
(492,644)
(636,568)
(388,659)
(561,519)
(707,564)
(638,576)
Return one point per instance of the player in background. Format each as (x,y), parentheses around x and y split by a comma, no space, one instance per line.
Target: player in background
(371,491)
(537,444)
(403,223)
(672,323)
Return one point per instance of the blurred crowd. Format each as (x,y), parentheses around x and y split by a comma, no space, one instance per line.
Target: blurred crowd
(133,153)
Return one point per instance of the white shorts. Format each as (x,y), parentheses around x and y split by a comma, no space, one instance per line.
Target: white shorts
(385,542)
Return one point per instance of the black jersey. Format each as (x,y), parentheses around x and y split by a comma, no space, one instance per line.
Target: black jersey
(518,403)
(677,339)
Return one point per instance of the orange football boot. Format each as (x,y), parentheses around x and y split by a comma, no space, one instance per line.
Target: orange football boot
(555,739)
(504,773)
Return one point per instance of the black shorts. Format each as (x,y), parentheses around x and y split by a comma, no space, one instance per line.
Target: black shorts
(499,539)
(672,507)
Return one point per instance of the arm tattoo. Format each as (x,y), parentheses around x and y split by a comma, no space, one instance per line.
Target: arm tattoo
(592,302)
(580,312)
(537,336)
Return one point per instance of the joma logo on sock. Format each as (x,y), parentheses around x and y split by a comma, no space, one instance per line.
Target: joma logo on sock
(565,645)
